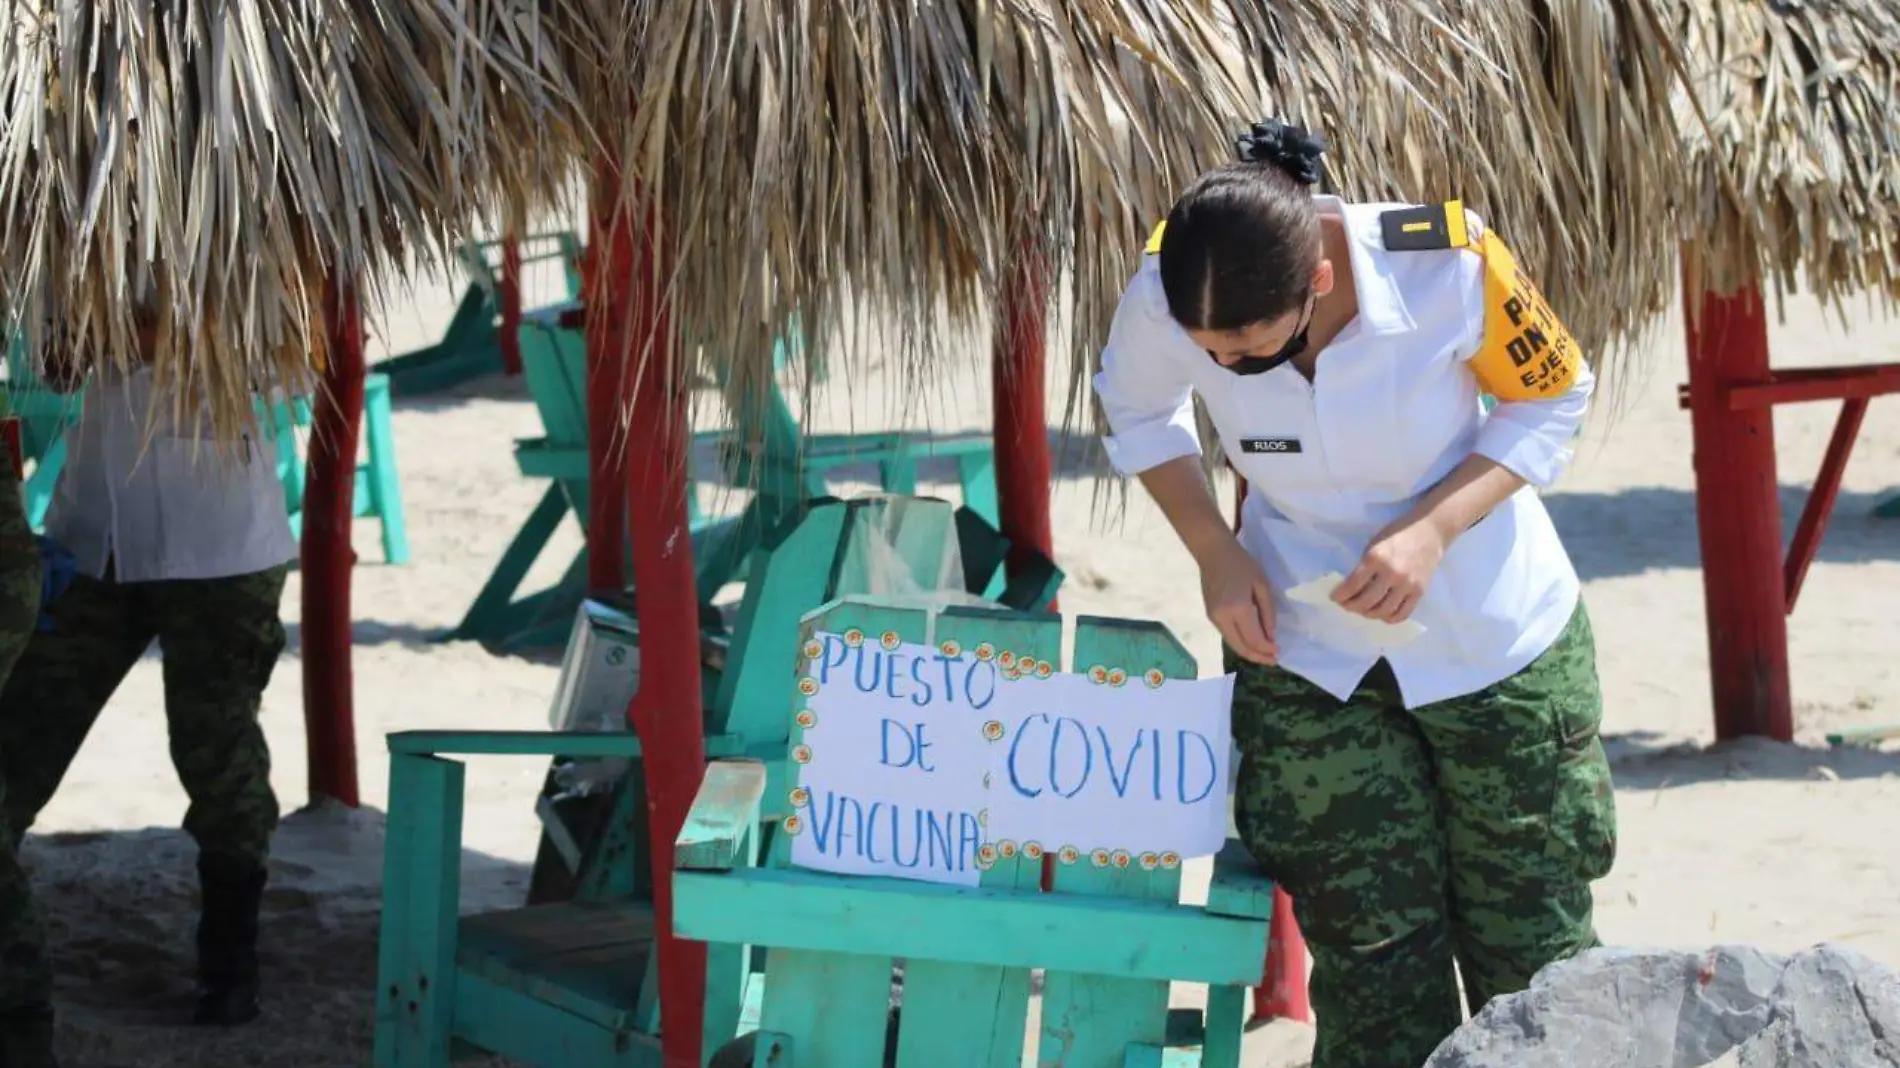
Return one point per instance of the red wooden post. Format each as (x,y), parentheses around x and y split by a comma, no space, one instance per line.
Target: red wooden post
(668,711)
(328,511)
(1738,515)
(1281,994)
(608,282)
(1023,467)
(508,289)
(1021,428)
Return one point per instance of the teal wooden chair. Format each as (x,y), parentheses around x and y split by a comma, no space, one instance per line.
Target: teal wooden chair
(1109,939)
(569,980)
(470,346)
(378,492)
(764,451)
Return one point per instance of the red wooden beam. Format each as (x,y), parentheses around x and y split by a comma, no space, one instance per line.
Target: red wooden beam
(1281,994)
(509,292)
(1738,517)
(1796,385)
(328,513)
(1827,486)
(607,280)
(668,711)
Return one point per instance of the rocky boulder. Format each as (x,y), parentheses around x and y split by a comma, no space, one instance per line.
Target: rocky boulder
(1728,1007)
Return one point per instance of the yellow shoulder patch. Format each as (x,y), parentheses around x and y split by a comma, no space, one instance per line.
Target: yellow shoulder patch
(1154,239)
(1429,228)
(1527,353)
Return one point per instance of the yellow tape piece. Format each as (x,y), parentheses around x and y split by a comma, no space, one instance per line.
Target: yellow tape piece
(1455,227)
(1527,353)
(1154,239)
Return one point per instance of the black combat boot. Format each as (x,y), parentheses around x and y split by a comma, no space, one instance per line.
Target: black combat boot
(26,1037)
(233,892)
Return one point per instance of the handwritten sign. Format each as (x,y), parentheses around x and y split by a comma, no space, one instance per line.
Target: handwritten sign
(934,763)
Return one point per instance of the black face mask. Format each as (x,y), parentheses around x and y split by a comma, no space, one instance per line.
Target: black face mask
(1259,365)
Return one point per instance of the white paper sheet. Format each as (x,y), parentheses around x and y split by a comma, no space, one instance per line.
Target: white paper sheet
(1319,594)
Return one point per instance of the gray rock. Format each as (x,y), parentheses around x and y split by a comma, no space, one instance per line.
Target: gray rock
(1728,1007)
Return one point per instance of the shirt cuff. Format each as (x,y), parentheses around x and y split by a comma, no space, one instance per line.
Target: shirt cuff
(1524,451)
(1149,445)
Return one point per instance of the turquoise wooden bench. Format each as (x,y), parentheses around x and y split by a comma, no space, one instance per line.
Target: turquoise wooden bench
(764,452)
(470,347)
(46,414)
(569,979)
(1108,939)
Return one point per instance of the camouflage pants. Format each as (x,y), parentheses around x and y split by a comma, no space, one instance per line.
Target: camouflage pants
(1465,832)
(220,640)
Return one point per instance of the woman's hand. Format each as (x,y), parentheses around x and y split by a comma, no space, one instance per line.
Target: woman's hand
(1239,601)
(1394,572)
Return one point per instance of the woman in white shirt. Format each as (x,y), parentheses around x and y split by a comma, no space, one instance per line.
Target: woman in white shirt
(1420,766)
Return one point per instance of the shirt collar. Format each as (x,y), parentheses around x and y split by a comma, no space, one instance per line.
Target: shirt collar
(1381,305)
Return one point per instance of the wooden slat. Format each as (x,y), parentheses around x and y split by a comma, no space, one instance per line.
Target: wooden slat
(724,816)
(416,973)
(814,910)
(978,1010)
(1094,1017)
(835,1005)
(521,1027)
(588,959)
(1239,888)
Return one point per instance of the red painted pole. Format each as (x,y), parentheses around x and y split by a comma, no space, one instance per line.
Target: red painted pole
(1281,994)
(668,711)
(328,511)
(1023,466)
(1024,470)
(607,281)
(1738,516)
(508,290)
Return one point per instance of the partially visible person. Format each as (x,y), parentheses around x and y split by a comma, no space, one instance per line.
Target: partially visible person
(23,1027)
(186,540)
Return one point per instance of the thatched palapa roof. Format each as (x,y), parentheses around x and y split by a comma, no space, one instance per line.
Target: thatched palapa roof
(223,159)
(907,153)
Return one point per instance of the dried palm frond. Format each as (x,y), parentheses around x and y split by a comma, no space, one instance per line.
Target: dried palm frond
(216,162)
(871,174)
(1789,124)
(913,155)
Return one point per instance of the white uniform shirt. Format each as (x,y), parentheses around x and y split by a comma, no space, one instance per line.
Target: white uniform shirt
(169,506)
(1392,408)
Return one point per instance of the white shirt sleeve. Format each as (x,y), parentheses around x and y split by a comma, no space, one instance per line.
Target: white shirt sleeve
(1531,438)
(1145,396)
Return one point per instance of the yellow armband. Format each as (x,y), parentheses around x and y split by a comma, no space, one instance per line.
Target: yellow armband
(1154,239)
(1526,352)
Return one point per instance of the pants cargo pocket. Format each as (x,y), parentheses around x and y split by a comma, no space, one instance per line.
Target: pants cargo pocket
(1583,805)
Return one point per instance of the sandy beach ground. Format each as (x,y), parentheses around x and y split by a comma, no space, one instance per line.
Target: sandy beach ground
(1779,846)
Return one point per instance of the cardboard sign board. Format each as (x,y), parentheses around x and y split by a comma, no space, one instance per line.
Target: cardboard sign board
(930,763)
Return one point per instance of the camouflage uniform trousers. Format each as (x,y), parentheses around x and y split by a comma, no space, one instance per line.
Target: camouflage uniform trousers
(220,640)
(1464,832)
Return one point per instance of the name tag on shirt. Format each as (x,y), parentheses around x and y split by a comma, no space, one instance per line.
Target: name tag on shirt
(1268,446)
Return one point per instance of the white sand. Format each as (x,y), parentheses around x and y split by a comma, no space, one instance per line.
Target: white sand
(1780,846)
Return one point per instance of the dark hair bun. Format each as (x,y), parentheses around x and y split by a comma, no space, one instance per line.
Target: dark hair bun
(1286,146)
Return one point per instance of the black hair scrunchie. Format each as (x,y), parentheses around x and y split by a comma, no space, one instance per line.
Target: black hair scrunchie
(1286,146)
